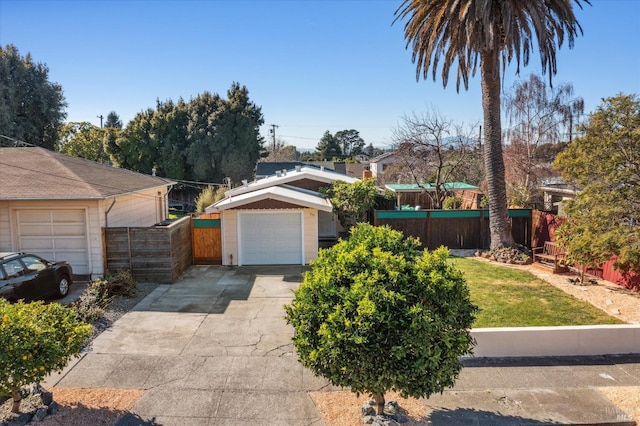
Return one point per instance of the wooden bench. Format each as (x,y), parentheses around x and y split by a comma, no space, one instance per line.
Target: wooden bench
(552,256)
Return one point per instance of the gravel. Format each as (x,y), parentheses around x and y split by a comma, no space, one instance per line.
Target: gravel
(119,306)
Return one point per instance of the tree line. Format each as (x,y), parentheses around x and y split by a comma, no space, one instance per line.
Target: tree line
(207,139)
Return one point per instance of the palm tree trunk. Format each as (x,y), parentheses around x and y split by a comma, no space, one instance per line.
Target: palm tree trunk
(499,227)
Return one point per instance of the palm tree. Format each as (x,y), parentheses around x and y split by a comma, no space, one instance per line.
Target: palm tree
(489,34)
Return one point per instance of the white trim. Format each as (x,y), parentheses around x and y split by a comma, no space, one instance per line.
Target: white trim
(312,173)
(299,198)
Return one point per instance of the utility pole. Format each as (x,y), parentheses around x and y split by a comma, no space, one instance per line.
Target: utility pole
(272,130)
(100,117)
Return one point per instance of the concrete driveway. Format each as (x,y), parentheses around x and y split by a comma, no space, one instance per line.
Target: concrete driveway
(212,349)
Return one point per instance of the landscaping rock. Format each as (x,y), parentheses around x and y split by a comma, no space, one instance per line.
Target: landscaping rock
(391,417)
(35,405)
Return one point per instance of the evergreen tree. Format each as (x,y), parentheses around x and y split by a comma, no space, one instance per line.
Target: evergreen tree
(329,147)
(113,121)
(31,107)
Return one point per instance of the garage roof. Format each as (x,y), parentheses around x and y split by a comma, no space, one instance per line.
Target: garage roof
(286,194)
(34,173)
(313,173)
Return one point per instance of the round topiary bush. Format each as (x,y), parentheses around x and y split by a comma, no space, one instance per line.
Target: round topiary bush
(375,314)
(36,339)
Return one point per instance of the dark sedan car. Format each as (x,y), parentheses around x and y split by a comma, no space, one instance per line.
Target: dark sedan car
(30,277)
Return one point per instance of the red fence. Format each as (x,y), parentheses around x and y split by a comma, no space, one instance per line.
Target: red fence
(544,226)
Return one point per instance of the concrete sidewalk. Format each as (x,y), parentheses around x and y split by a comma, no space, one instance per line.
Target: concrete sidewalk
(214,349)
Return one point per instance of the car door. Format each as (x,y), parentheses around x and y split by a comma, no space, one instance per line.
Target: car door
(41,282)
(18,278)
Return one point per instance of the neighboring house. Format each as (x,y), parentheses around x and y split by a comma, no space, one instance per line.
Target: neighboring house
(280,219)
(414,196)
(55,205)
(379,164)
(555,192)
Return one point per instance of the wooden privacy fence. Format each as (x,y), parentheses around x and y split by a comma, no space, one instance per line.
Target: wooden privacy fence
(152,254)
(207,239)
(456,229)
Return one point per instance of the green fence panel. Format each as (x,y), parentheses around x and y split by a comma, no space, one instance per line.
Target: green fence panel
(206,223)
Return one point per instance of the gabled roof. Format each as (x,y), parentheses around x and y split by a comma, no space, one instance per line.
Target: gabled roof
(268,168)
(265,168)
(382,156)
(34,173)
(414,187)
(306,172)
(286,194)
(281,188)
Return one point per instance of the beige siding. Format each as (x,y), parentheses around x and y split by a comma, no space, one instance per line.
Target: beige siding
(139,209)
(310,224)
(5,233)
(230,237)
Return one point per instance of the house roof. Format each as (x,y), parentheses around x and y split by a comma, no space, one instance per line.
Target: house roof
(382,156)
(414,187)
(305,172)
(264,169)
(279,188)
(286,194)
(34,173)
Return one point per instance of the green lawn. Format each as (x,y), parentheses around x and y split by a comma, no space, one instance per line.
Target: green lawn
(513,298)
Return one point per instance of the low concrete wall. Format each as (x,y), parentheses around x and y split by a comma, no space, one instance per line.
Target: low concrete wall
(557,341)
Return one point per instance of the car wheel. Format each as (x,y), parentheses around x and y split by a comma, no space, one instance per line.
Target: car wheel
(63,286)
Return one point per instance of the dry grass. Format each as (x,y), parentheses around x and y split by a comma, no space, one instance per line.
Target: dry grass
(342,408)
(627,398)
(92,406)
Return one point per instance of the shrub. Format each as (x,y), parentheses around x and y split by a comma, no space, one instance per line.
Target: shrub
(208,196)
(121,284)
(92,303)
(373,314)
(36,339)
(452,203)
(351,201)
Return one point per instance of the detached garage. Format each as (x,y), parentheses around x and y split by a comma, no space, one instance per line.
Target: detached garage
(277,220)
(55,205)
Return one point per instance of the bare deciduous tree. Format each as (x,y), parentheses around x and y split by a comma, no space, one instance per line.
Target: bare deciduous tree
(279,152)
(537,114)
(431,151)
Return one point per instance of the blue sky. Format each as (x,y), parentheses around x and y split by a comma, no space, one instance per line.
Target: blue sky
(312,65)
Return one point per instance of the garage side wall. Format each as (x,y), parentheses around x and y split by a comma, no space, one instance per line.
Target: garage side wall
(143,208)
(229,237)
(310,219)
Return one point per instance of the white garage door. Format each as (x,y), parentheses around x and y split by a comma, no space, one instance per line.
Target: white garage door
(270,238)
(55,235)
